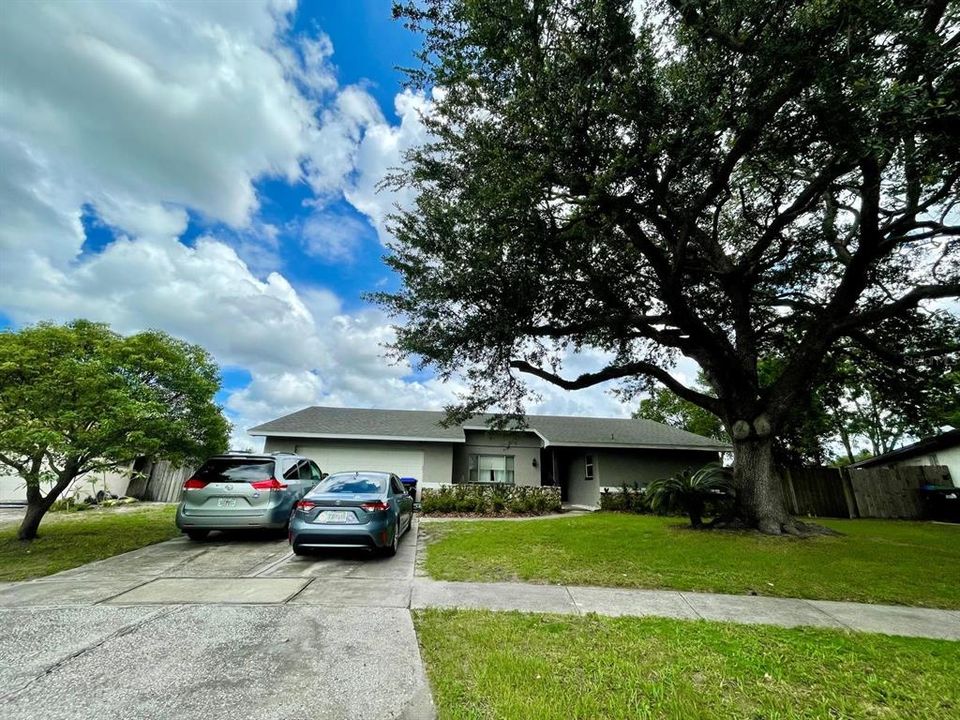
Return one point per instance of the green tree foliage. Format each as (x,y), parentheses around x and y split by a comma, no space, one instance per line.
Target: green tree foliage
(78,397)
(949,411)
(735,181)
(665,406)
(875,407)
(859,408)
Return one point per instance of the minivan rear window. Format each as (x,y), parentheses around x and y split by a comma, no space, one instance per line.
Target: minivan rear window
(353,483)
(235,470)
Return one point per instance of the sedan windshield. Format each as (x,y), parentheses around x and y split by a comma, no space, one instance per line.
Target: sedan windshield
(354,483)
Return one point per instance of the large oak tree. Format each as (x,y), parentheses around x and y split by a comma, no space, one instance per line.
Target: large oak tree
(740,182)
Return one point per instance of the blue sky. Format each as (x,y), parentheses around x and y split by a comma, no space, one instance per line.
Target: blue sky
(369,48)
(211,169)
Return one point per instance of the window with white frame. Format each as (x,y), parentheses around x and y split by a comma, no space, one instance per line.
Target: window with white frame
(491,469)
(588,469)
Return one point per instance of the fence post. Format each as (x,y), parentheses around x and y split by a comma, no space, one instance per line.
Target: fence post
(848,493)
(791,493)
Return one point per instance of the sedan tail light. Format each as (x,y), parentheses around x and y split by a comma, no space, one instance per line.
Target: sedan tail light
(194,484)
(268,484)
(305,505)
(376,506)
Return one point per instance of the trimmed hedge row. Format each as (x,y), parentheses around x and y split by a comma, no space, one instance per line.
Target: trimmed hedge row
(627,498)
(490,499)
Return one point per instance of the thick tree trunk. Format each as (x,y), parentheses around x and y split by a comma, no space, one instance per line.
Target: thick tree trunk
(759,493)
(38,503)
(31,521)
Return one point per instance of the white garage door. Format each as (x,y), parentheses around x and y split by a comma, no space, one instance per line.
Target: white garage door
(405,463)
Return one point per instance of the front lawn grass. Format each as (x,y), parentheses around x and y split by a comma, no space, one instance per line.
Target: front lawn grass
(509,665)
(875,561)
(71,539)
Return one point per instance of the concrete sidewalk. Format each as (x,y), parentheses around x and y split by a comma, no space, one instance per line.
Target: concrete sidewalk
(746,609)
(381,593)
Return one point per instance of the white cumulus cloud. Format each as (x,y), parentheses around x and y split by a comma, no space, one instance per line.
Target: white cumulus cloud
(148,112)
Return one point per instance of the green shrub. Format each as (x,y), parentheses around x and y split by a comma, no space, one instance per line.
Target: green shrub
(68,504)
(489,499)
(436,501)
(628,498)
(693,493)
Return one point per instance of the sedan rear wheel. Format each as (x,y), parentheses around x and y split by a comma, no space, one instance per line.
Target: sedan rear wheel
(198,534)
(391,549)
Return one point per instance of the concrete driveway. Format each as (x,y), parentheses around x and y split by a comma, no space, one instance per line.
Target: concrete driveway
(233,627)
(10,514)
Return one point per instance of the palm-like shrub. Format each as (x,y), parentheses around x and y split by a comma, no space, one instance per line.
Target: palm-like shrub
(690,491)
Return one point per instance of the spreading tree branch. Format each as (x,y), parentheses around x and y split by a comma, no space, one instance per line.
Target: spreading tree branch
(614,372)
(906,302)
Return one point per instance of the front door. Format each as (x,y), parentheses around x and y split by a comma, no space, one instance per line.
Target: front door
(552,471)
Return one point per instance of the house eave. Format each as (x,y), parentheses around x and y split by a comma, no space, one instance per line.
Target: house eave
(344,436)
(944,441)
(645,446)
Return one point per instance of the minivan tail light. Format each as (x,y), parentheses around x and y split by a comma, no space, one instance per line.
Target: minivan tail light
(194,484)
(268,484)
(306,505)
(377,506)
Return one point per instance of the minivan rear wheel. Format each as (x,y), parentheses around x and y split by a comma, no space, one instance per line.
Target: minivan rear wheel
(198,535)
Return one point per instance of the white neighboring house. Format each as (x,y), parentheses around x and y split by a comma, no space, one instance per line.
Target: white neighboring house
(14,490)
(942,449)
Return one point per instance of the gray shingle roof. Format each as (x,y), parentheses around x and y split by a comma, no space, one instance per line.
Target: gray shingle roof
(359,422)
(425,425)
(561,430)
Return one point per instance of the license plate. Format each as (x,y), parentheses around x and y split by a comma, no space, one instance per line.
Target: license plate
(336,517)
(226,502)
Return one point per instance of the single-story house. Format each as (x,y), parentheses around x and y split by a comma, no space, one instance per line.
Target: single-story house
(581,455)
(942,449)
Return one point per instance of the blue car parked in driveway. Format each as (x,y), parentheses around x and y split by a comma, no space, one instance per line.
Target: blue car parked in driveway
(360,509)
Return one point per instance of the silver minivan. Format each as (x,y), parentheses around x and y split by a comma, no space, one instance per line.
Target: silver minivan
(244,490)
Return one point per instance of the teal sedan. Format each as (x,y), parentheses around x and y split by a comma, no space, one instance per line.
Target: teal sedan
(359,509)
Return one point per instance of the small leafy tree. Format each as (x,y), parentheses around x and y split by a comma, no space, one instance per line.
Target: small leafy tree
(690,491)
(78,398)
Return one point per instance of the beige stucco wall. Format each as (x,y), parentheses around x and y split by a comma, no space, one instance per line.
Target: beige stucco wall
(437,457)
(581,491)
(644,466)
(524,446)
(614,467)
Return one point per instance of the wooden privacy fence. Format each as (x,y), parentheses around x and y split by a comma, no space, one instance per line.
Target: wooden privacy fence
(159,481)
(891,492)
